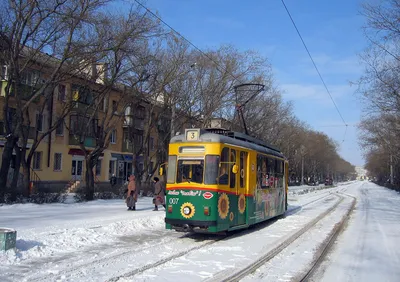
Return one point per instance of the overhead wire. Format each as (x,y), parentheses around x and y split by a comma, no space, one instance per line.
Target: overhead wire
(218,66)
(315,66)
(222,69)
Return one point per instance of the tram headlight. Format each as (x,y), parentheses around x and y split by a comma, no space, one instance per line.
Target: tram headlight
(187,210)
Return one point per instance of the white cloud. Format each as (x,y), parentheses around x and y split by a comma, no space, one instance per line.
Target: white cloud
(315,92)
(328,65)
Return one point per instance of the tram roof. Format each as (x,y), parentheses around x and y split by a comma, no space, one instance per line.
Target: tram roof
(232,138)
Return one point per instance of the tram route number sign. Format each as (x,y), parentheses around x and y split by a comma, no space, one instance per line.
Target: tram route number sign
(192,134)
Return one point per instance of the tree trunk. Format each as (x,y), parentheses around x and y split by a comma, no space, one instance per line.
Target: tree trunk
(26,169)
(5,165)
(26,180)
(89,180)
(14,189)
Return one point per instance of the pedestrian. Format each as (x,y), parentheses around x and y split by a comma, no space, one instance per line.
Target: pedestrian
(132,194)
(159,194)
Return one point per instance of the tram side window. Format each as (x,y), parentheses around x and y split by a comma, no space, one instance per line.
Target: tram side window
(211,170)
(262,172)
(171,169)
(265,176)
(271,172)
(224,167)
(243,169)
(279,173)
(259,174)
(232,175)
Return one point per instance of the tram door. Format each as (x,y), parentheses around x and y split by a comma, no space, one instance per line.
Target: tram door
(241,185)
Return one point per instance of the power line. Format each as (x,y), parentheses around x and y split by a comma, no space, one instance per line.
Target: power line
(315,66)
(188,41)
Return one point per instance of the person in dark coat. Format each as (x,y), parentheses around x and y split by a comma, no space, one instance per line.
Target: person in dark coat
(159,195)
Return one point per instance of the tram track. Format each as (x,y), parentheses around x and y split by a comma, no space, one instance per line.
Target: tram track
(73,270)
(77,268)
(134,272)
(327,245)
(253,266)
(298,208)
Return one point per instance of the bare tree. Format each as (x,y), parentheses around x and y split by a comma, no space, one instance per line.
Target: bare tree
(379,86)
(29,30)
(124,43)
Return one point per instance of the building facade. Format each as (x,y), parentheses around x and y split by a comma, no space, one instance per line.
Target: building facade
(59,157)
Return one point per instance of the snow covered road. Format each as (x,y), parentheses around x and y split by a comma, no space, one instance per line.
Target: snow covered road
(369,249)
(101,241)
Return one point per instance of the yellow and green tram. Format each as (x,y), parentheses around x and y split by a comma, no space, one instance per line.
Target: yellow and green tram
(219,180)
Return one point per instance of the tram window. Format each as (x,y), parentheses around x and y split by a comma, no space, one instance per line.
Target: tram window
(171,169)
(243,168)
(211,169)
(223,167)
(190,171)
(279,174)
(232,175)
(279,167)
(264,171)
(271,172)
(271,166)
(259,174)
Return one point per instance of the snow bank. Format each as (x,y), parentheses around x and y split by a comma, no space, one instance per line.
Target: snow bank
(53,229)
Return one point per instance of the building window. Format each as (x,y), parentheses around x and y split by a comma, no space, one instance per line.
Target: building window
(79,125)
(39,122)
(105,104)
(60,128)
(140,112)
(61,92)
(98,167)
(151,167)
(4,72)
(30,78)
(82,94)
(139,140)
(37,160)
(57,161)
(114,107)
(113,137)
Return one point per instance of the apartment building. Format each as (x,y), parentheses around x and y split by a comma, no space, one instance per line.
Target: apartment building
(59,156)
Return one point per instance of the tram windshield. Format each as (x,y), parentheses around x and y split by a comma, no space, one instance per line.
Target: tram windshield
(198,171)
(190,171)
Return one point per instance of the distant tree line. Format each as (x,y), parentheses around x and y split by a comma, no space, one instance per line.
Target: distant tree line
(379,87)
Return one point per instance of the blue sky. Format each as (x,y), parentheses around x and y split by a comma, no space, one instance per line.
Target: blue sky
(331,30)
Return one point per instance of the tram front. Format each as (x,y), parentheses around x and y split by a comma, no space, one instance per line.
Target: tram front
(191,197)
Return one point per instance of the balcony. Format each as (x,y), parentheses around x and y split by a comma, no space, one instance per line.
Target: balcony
(135,123)
(139,124)
(31,132)
(89,141)
(127,146)
(25,91)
